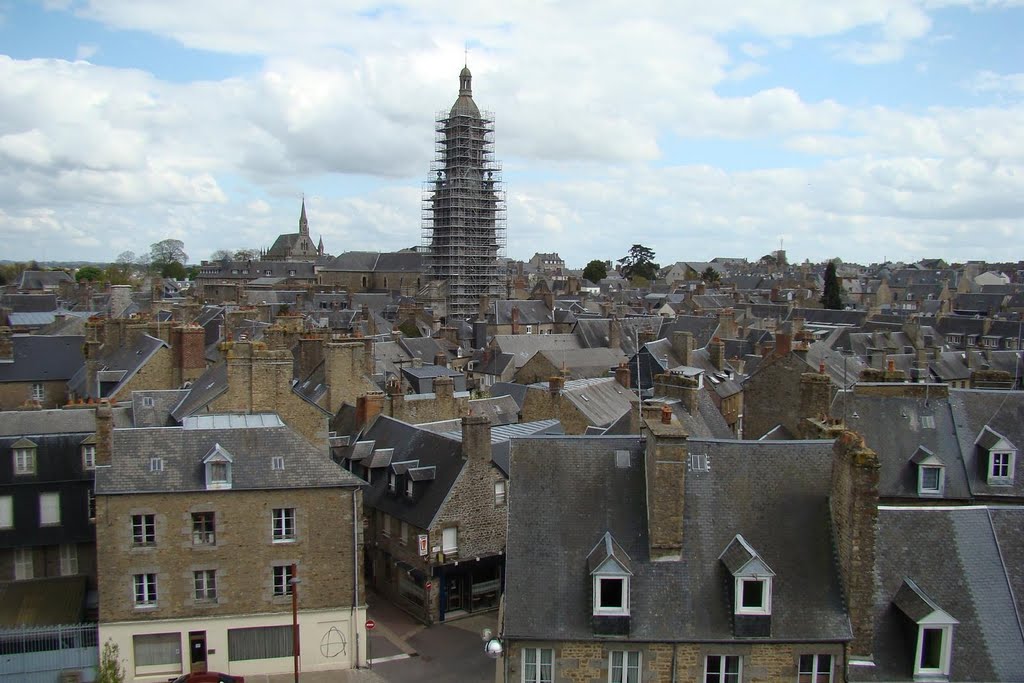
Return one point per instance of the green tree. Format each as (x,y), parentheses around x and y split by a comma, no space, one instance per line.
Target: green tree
(111,669)
(221,255)
(247,254)
(89,273)
(165,252)
(173,269)
(832,296)
(639,263)
(710,276)
(595,271)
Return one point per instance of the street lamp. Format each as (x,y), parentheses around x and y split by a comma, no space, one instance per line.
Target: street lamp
(294,583)
(492,644)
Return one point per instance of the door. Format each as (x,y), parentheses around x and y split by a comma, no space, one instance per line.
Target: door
(197,651)
(454,593)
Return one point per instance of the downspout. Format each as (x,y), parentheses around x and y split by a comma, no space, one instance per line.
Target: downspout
(675,677)
(355,571)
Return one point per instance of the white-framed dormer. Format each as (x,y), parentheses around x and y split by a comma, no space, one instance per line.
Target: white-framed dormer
(933,646)
(217,466)
(610,571)
(752,577)
(931,472)
(998,457)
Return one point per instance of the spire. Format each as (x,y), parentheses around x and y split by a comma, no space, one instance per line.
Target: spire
(303,223)
(320,247)
(465,83)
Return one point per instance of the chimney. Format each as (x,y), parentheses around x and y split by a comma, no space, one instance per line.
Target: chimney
(6,344)
(371,327)
(104,432)
(797,323)
(311,354)
(479,334)
(555,385)
(716,349)
(548,297)
(485,307)
(476,438)
(783,343)
(686,389)
(368,406)
(815,395)
(189,346)
(444,388)
(665,469)
(120,299)
(644,336)
(441,359)
(622,375)
(682,346)
(515,320)
(451,335)
(614,333)
(727,323)
(854,510)
(700,289)
(343,371)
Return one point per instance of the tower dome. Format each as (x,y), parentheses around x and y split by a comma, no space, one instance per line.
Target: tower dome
(465,106)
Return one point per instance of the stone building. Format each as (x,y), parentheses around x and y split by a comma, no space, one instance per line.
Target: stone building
(35,369)
(203,527)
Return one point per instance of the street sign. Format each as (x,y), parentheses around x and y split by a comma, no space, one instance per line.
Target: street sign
(370,623)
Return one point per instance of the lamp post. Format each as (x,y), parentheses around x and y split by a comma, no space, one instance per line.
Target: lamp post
(294,583)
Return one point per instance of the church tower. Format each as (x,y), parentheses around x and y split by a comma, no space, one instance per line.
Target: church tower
(303,223)
(464,206)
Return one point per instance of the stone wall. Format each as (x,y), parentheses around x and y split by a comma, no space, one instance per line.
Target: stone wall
(542,404)
(772,396)
(15,395)
(157,373)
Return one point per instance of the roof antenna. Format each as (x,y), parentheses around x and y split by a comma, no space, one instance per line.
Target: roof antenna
(465,60)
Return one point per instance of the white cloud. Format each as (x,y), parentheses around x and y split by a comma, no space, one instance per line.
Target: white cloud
(86,51)
(988,81)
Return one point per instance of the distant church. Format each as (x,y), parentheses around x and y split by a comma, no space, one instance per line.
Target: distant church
(295,246)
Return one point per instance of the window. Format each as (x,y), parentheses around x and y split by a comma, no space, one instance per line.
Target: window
(156,464)
(145,590)
(409,489)
(277,462)
(89,456)
(538,665)
(449,539)
(933,650)
(754,597)
(91,505)
(157,653)
(814,669)
(403,533)
(1000,467)
(49,509)
(282,579)
(6,512)
(24,460)
(392,482)
(930,480)
(612,593)
(218,473)
(23,564)
(148,402)
(722,669)
(68,560)
(143,529)
(623,667)
(499,493)
(260,642)
(284,525)
(37,393)
(203,528)
(385,524)
(529,329)
(206,585)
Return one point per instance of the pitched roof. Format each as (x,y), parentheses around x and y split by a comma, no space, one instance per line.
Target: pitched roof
(121,362)
(1000,411)
(39,358)
(523,346)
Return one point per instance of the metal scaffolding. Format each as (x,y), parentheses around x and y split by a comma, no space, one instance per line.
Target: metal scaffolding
(463,209)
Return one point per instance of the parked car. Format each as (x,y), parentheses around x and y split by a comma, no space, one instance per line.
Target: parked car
(208,677)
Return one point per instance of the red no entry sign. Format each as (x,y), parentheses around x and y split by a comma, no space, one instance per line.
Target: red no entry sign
(370,623)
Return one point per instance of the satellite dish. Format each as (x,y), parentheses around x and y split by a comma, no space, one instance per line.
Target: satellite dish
(493,648)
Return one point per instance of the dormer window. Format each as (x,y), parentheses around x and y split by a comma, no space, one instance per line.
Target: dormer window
(408,487)
(931,473)
(933,647)
(24,456)
(277,462)
(752,588)
(392,482)
(998,456)
(218,468)
(610,571)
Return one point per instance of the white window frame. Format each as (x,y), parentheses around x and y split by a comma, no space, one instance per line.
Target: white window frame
(145,590)
(450,539)
(765,607)
(283,525)
(945,651)
(204,527)
(923,489)
(156,464)
(204,583)
(49,508)
(410,488)
(722,676)
(282,580)
(629,667)
(68,559)
(385,524)
(392,481)
(1005,461)
(816,672)
(277,462)
(89,456)
(143,530)
(529,329)
(500,493)
(534,672)
(24,568)
(611,610)
(37,392)
(6,512)
(25,460)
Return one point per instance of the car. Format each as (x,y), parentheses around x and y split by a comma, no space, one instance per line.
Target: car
(207,677)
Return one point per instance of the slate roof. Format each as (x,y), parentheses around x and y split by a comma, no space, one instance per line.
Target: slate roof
(43,359)
(601,400)
(569,492)
(124,361)
(183,449)
(516,391)
(583,363)
(158,412)
(530,312)
(30,303)
(422,379)
(424,348)
(969,583)
(43,279)
(523,346)
(1002,411)
(208,386)
(594,332)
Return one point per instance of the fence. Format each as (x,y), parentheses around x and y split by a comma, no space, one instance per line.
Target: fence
(49,654)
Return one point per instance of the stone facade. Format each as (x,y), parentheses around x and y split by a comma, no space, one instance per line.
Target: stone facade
(772,397)
(665,456)
(423,408)
(549,404)
(15,395)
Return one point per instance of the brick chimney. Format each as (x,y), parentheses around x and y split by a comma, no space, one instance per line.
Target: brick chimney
(450,334)
(484,309)
(644,336)
(665,469)
(716,349)
(371,327)
(343,370)
(311,354)
(556,384)
(783,343)
(515,320)
(6,344)
(104,432)
(686,389)
(682,346)
(614,333)
(622,375)
(727,323)
(444,388)
(815,395)
(854,509)
(476,438)
(441,359)
(368,406)
(188,343)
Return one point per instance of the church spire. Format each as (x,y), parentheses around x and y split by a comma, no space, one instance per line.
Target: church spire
(320,247)
(303,223)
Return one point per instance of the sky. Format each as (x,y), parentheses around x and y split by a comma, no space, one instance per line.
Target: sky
(868,130)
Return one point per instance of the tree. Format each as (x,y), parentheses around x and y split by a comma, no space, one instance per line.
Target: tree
(595,271)
(167,251)
(832,296)
(710,276)
(639,262)
(89,273)
(221,255)
(174,270)
(111,669)
(247,254)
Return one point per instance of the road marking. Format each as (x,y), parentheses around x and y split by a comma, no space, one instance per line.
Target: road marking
(392,658)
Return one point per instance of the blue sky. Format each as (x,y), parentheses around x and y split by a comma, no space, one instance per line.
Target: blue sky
(865,129)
